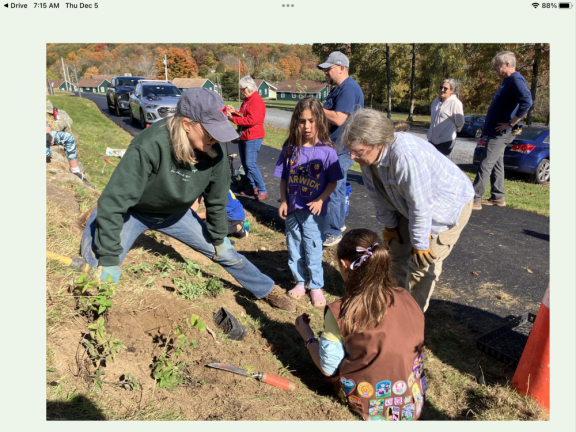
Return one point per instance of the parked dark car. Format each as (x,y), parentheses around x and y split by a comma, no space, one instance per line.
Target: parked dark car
(473,125)
(118,93)
(528,153)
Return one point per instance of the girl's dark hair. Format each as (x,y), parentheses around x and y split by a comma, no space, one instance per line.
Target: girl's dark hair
(295,140)
(369,290)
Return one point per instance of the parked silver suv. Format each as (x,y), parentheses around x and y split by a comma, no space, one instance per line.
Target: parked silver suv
(153,100)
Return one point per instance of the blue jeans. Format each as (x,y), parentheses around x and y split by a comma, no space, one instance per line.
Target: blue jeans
(248,156)
(189,229)
(337,204)
(304,243)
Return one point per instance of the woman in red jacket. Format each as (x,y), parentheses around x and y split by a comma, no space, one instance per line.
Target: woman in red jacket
(251,128)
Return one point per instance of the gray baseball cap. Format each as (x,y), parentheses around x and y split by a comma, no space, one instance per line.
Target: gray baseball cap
(335,58)
(207,107)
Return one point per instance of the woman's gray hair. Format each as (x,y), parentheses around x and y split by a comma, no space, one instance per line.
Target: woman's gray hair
(369,127)
(505,57)
(454,85)
(249,83)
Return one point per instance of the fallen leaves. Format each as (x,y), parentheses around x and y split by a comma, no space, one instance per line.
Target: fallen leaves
(273,348)
(475,273)
(529,271)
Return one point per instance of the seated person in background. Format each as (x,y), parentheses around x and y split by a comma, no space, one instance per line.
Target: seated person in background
(67,140)
(401,126)
(235,213)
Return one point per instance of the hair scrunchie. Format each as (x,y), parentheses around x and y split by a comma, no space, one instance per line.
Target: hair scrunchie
(367,254)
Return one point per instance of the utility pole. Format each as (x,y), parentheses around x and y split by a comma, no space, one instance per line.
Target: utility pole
(165,67)
(50,89)
(64,72)
(238,80)
(77,83)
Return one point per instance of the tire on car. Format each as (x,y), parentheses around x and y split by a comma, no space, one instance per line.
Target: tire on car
(542,173)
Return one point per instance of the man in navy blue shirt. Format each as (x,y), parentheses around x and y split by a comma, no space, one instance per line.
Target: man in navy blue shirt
(345,98)
(511,102)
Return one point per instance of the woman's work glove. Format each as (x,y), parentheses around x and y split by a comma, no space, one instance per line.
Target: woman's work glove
(389,234)
(221,248)
(113,271)
(421,255)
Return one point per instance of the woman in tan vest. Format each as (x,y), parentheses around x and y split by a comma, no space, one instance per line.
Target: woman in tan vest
(372,344)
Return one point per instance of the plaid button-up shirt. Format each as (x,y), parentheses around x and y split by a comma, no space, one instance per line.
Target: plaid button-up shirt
(422,185)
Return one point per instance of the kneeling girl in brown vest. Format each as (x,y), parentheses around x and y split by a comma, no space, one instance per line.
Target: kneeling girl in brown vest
(372,344)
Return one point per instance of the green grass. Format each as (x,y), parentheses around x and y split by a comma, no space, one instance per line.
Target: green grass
(522,195)
(94,132)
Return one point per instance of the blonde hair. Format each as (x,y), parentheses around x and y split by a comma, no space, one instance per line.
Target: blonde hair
(182,149)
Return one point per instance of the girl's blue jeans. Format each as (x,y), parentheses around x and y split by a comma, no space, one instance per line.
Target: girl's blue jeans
(189,229)
(248,151)
(304,243)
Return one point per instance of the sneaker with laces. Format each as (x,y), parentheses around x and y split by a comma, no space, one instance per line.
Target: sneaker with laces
(332,240)
(278,299)
(494,202)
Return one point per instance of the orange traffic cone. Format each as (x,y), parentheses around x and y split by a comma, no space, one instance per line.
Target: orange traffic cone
(532,377)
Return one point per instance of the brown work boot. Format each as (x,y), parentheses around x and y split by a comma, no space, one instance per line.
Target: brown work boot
(477,205)
(495,202)
(278,299)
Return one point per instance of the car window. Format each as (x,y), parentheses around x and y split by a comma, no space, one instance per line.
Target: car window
(547,139)
(481,119)
(129,82)
(160,91)
(530,134)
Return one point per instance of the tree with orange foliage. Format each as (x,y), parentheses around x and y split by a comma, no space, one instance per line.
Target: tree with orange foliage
(243,68)
(290,65)
(179,65)
(91,71)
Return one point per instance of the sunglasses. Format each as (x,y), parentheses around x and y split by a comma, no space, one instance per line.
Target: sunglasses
(444,88)
(243,88)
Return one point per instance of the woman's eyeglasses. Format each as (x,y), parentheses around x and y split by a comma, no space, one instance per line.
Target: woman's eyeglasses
(444,88)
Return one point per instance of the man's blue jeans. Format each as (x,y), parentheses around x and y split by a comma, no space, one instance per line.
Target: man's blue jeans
(337,205)
(249,157)
(189,229)
(304,243)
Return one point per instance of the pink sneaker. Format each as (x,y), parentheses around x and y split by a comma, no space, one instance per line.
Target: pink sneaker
(297,292)
(317,297)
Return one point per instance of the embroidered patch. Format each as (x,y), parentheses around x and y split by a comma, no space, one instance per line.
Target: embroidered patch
(347,385)
(383,389)
(424,385)
(419,403)
(342,395)
(365,390)
(398,401)
(393,413)
(389,402)
(376,407)
(375,418)
(407,399)
(399,387)
(416,391)
(411,380)
(355,402)
(418,366)
(408,412)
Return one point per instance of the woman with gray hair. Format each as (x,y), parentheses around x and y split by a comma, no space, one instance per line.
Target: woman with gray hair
(447,117)
(421,197)
(250,122)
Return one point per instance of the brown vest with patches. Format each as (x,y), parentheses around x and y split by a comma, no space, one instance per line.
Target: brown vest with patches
(381,375)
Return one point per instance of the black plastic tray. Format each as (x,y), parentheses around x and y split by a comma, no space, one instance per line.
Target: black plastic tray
(506,343)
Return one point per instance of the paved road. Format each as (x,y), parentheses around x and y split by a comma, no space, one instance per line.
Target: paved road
(508,249)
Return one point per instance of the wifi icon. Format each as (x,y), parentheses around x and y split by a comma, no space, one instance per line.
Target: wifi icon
(535,5)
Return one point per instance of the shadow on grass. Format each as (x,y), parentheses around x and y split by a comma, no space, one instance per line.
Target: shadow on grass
(78,408)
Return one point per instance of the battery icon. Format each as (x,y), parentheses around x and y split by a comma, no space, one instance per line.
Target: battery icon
(565,5)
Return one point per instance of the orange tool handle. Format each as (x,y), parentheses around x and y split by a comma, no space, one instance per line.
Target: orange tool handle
(277,381)
(111,163)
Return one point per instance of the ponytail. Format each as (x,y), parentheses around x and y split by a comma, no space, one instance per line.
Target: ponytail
(370,286)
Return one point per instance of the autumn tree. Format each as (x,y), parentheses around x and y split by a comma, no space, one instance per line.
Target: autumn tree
(91,71)
(290,65)
(179,66)
(313,74)
(221,68)
(203,71)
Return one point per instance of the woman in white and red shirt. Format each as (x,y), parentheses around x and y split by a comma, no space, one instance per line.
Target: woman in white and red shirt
(251,129)
(446,118)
